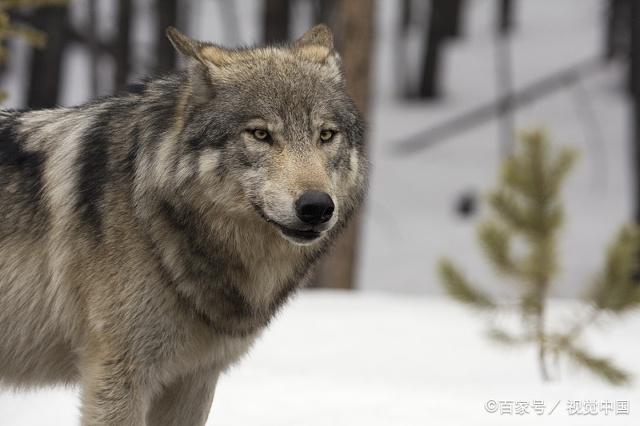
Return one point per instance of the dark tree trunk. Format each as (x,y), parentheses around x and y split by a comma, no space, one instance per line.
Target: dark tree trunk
(452,18)
(122,48)
(429,87)
(165,54)
(506,15)
(634,74)
(405,16)
(94,52)
(276,21)
(616,42)
(46,64)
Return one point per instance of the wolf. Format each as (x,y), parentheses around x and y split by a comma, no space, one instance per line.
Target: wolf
(148,238)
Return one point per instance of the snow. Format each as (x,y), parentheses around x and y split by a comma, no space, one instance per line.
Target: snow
(370,358)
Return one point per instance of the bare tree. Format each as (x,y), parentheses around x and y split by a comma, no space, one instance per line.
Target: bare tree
(122,47)
(616,42)
(429,85)
(276,21)
(165,54)
(46,64)
(92,42)
(452,18)
(634,79)
(506,21)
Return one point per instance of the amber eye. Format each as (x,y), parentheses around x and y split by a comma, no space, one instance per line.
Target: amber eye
(326,135)
(261,135)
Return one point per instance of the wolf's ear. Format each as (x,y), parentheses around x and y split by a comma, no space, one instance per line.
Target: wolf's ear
(317,45)
(206,53)
(318,36)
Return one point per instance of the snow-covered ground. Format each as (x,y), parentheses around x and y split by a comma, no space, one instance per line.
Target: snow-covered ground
(373,359)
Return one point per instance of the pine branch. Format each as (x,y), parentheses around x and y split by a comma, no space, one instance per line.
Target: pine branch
(559,170)
(496,243)
(599,366)
(507,339)
(459,288)
(510,211)
(616,288)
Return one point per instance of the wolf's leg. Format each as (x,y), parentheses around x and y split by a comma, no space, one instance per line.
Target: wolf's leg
(111,395)
(185,402)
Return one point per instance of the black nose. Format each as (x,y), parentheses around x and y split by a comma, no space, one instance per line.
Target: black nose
(314,207)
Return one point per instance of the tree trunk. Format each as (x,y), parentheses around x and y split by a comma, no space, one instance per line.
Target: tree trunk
(122,48)
(429,87)
(452,19)
(354,33)
(505,16)
(165,54)
(616,29)
(46,64)
(94,52)
(276,21)
(634,83)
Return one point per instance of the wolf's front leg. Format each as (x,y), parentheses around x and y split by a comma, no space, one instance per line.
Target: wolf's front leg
(112,395)
(185,402)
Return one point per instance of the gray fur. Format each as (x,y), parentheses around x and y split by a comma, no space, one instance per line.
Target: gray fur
(141,250)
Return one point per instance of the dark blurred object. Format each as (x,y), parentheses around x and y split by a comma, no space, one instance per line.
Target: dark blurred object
(122,44)
(506,16)
(634,83)
(429,87)
(276,21)
(165,54)
(46,64)
(617,29)
(444,22)
(467,204)
(452,18)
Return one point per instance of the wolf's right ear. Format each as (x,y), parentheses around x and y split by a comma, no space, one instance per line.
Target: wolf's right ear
(316,45)
(207,54)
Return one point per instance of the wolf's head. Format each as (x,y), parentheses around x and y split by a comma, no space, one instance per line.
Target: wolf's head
(274,129)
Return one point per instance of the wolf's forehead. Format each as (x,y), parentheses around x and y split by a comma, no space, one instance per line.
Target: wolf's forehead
(277,66)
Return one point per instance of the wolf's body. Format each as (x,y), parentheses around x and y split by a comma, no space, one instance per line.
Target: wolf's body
(147,239)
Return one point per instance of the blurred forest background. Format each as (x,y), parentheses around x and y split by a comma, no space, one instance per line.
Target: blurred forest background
(400,62)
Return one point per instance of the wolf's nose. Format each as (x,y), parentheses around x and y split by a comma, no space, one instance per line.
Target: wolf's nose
(314,207)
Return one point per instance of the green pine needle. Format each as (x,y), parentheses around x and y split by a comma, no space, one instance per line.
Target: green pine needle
(458,288)
(599,366)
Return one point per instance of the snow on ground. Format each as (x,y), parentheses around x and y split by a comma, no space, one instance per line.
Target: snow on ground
(373,359)
(410,219)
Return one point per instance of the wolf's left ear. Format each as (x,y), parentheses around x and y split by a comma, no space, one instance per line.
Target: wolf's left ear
(317,45)
(207,54)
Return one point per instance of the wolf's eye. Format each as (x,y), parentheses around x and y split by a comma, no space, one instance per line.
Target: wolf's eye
(261,135)
(326,135)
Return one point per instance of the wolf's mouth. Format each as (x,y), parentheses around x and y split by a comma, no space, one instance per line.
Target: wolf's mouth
(297,235)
